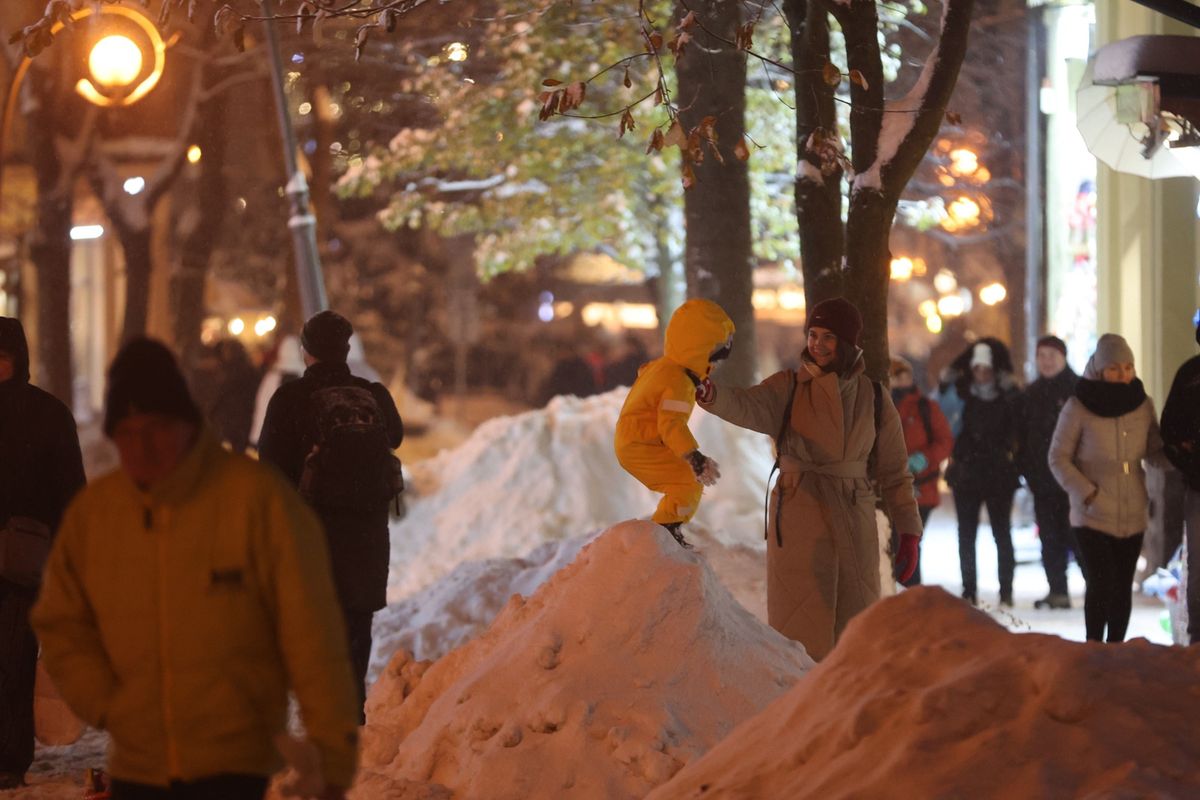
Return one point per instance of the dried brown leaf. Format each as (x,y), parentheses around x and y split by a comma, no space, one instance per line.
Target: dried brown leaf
(689,176)
(675,135)
(655,42)
(688,21)
(657,141)
(551,82)
(857,77)
(830,73)
(741,151)
(953,118)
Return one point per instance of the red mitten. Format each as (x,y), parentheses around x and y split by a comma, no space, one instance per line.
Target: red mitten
(705,391)
(906,556)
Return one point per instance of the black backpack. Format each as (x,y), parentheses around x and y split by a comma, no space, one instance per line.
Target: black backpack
(350,467)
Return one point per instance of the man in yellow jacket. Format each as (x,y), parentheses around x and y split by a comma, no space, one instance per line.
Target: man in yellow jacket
(653,442)
(186,593)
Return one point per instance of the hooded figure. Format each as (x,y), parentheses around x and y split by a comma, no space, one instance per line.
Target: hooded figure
(653,442)
(40,471)
(823,540)
(1181,444)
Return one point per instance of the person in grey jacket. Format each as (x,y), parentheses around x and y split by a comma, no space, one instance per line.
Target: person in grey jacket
(1103,434)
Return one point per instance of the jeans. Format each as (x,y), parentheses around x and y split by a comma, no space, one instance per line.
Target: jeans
(1109,563)
(217,787)
(967,502)
(1053,513)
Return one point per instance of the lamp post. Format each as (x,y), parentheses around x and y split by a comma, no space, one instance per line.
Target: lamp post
(301,222)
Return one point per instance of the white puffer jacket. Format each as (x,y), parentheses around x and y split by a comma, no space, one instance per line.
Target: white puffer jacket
(1090,453)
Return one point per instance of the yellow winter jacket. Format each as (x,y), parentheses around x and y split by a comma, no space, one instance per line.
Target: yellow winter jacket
(657,408)
(178,619)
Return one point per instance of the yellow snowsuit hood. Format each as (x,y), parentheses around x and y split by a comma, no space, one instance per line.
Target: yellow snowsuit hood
(652,434)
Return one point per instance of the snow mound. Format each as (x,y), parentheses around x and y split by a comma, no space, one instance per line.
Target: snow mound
(623,667)
(927,697)
(545,475)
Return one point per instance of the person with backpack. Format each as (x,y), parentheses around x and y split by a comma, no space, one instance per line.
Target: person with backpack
(1181,443)
(837,436)
(332,435)
(41,468)
(1041,404)
(928,440)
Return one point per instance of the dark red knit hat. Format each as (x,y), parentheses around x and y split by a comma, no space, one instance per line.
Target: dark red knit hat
(838,315)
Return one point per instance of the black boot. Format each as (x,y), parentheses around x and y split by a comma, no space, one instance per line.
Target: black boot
(1053,600)
(673,529)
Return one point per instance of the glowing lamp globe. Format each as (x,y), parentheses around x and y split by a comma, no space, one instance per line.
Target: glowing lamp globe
(115,61)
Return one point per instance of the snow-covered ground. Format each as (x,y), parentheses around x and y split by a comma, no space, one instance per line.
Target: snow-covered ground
(502,514)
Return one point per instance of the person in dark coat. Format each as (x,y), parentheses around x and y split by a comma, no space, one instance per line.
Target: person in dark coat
(631,356)
(1041,403)
(1181,445)
(983,464)
(571,375)
(41,469)
(232,415)
(358,538)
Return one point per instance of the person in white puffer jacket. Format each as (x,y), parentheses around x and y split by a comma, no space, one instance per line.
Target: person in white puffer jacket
(1103,434)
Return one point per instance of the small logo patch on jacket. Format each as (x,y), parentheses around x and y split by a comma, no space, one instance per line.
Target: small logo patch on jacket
(227,578)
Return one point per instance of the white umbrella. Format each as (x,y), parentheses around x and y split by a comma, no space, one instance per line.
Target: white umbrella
(1118,144)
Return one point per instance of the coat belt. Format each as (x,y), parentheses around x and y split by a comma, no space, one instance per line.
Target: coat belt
(838,469)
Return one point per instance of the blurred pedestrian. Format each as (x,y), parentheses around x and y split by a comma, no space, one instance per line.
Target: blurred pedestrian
(232,414)
(928,441)
(286,366)
(1181,440)
(41,469)
(983,463)
(1041,404)
(187,592)
(332,435)
(1102,435)
(629,357)
(572,374)
(836,432)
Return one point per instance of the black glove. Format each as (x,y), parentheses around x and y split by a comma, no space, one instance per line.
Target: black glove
(705,468)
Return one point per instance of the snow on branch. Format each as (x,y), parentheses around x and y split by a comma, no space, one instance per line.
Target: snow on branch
(910,123)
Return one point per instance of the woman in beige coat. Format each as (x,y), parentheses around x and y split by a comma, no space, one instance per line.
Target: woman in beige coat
(1103,434)
(823,543)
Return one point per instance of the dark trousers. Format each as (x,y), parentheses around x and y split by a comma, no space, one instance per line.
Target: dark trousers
(18,666)
(358,633)
(1109,563)
(967,502)
(1053,513)
(218,787)
(1191,517)
(915,580)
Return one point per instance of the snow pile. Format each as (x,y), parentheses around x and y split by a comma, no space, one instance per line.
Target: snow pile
(549,474)
(623,667)
(926,697)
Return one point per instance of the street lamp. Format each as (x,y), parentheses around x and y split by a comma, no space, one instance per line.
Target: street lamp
(115,61)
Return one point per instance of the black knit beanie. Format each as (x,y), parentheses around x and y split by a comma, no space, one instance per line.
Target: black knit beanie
(144,378)
(838,315)
(1052,341)
(326,336)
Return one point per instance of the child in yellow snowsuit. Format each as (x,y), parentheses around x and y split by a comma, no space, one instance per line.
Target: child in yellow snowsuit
(653,442)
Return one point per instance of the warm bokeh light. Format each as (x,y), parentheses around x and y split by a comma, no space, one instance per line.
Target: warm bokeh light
(962,213)
(236,326)
(945,282)
(264,326)
(456,51)
(902,268)
(927,308)
(194,153)
(963,162)
(934,323)
(951,306)
(791,299)
(115,61)
(764,299)
(993,293)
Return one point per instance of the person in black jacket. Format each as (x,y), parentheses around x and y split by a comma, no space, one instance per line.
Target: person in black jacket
(41,468)
(292,436)
(1040,404)
(983,464)
(1181,443)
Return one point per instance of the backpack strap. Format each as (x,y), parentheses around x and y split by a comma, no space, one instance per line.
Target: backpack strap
(783,426)
(873,458)
(926,413)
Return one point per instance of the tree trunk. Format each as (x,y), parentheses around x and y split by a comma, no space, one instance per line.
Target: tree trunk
(135,244)
(50,250)
(718,256)
(670,284)
(818,186)
(867,283)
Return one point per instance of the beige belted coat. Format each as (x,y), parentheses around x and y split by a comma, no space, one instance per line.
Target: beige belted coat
(823,544)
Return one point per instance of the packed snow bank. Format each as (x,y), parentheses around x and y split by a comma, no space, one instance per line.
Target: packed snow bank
(926,697)
(623,667)
(547,475)
(462,604)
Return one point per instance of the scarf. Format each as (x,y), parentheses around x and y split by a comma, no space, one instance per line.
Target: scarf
(1106,399)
